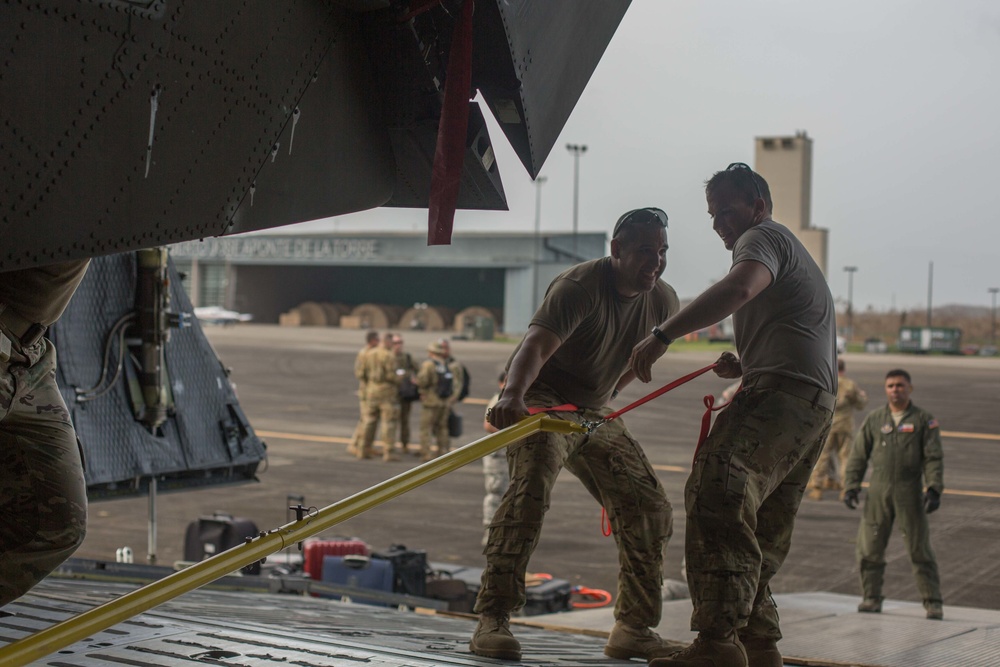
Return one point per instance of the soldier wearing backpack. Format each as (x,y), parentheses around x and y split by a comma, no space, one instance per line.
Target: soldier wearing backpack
(440,381)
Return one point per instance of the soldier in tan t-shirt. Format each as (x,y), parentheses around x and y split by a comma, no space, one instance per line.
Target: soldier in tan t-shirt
(576,351)
(43,494)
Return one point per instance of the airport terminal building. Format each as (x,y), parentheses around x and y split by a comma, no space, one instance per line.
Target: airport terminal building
(271,276)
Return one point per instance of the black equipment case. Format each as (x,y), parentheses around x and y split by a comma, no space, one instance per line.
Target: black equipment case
(409,568)
(210,535)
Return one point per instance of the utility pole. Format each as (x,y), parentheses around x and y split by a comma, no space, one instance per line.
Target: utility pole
(993,329)
(539,182)
(576,150)
(850,301)
(930,291)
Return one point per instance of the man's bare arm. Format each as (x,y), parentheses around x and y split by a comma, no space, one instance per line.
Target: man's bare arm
(740,286)
(538,346)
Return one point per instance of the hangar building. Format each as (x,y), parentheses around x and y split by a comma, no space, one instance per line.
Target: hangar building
(267,274)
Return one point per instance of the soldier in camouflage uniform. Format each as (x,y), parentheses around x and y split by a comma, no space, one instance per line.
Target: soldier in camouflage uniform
(439,382)
(837,448)
(382,399)
(749,475)
(371,342)
(575,357)
(406,369)
(903,445)
(43,495)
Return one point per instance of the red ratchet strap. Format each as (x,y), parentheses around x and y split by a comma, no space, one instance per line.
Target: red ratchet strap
(706,419)
(449,154)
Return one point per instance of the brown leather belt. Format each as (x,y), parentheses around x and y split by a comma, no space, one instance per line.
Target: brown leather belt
(18,329)
(797,388)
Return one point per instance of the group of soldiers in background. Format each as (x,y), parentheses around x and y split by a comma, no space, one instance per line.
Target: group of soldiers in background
(389,382)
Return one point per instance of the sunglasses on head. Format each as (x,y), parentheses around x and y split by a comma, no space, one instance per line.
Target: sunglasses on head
(740,166)
(641,216)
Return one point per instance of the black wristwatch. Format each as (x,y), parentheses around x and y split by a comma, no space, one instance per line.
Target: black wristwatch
(662,337)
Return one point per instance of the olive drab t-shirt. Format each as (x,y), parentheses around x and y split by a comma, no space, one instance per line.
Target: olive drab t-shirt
(598,329)
(788,329)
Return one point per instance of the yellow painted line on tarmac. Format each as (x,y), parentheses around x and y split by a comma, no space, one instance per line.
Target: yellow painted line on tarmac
(301,436)
(970,436)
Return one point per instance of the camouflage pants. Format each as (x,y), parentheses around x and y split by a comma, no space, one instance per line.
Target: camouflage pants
(43,495)
(496,478)
(741,499)
(405,407)
(359,431)
(832,460)
(614,469)
(884,504)
(434,428)
(382,403)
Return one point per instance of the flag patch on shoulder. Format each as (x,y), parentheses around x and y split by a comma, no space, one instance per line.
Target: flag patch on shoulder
(932,423)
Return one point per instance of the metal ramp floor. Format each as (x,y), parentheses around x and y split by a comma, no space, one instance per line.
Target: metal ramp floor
(261,630)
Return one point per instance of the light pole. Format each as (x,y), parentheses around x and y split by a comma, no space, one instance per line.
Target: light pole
(576,150)
(539,182)
(850,301)
(993,329)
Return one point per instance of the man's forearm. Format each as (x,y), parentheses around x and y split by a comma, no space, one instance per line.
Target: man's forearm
(713,305)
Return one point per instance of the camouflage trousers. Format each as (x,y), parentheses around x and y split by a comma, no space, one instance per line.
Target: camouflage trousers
(43,495)
(434,428)
(615,470)
(741,499)
(405,408)
(381,403)
(359,430)
(496,478)
(832,459)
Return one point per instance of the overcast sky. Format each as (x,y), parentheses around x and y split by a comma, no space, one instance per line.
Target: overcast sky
(901,98)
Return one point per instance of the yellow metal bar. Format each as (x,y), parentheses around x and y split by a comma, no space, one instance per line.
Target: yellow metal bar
(61,635)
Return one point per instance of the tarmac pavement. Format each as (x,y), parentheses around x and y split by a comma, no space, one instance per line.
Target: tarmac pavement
(297,388)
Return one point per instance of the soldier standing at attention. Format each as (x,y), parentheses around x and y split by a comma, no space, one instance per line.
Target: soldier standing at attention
(371,342)
(749,475)
(903,445)
(837,448)
(382,399)
(43,495)
(438,384)
(406,369)
(576,352)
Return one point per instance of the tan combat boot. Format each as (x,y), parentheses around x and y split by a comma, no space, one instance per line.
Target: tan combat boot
(626,642)
(871,606)
(706,651)
(762,652)
(492,638)
(935,610)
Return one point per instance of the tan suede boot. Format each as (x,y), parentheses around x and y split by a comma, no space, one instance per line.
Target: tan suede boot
(626,642)
(707,651)
(492,638)
(762,653)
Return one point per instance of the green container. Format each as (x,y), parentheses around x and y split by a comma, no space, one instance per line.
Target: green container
(482,328)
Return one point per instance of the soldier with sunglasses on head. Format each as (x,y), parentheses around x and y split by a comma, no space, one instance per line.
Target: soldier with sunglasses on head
(749,475)
(575,354)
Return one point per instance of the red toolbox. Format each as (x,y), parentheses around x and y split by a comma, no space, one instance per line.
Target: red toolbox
(315,550)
